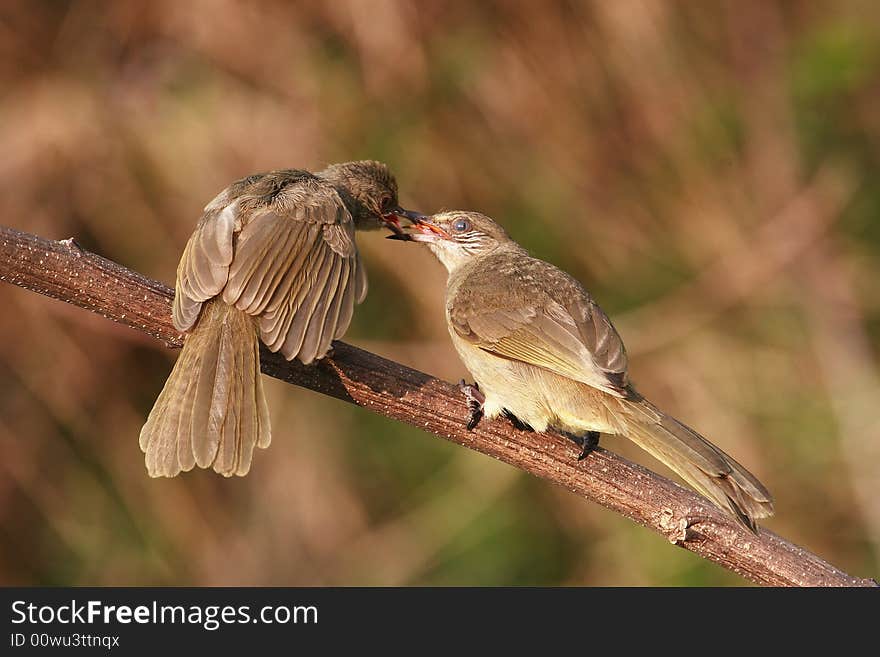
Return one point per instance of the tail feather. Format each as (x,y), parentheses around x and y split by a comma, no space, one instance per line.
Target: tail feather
(185,454)
(700,463)
(212,411)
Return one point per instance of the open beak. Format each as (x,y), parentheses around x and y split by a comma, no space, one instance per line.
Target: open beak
(421,230)
(391,219)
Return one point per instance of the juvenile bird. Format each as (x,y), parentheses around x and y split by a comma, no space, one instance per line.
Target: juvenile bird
(273,258)
(544,355)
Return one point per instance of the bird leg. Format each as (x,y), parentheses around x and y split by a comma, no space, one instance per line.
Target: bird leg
(516,422)
(587,441)
(475,401)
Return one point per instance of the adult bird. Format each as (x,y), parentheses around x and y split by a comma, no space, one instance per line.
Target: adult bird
(273,258)
(544,355)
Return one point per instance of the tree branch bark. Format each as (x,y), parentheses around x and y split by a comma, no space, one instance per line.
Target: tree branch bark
(64,271)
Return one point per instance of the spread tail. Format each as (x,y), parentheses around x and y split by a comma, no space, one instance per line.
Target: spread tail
(212,411)
(700,463)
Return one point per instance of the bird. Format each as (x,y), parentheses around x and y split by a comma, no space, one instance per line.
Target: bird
(273,258)
(544,355)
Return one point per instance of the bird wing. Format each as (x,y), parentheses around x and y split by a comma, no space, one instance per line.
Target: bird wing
(292,264)
(204,266)
(576,340)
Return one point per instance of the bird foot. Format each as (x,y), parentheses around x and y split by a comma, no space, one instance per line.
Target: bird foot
(475,401)
(516,422)
(588,442)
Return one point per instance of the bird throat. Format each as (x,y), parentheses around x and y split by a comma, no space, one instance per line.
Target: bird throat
(453,256)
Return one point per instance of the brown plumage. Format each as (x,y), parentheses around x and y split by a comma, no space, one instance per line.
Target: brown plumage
(545,354)
(273,258)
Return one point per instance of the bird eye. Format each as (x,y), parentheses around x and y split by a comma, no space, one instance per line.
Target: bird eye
(460,225)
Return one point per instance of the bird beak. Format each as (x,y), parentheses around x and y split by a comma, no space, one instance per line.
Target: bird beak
(421,230)
(391,219)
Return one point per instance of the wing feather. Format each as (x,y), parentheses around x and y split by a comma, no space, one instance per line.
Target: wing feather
(275,323)
(204,266)
(331,322)
(292,262)
(256,252)
(576,341)
(360,281)
(296,335)
(315,341)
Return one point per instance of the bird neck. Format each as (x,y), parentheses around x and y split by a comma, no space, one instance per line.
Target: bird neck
(459,262)
(363,217)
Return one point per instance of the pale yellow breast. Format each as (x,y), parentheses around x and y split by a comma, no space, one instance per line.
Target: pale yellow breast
(537,397)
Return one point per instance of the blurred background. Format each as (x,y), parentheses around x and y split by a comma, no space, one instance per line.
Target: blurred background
(708,170)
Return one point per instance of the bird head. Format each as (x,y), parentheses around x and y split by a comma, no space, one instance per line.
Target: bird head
(370,193)
(456,237)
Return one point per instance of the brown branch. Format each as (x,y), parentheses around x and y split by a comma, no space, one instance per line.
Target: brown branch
(64,271)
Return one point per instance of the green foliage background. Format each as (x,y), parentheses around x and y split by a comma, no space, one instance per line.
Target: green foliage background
(708,170)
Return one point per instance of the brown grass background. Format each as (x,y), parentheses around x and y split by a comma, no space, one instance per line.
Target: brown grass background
(708,170)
